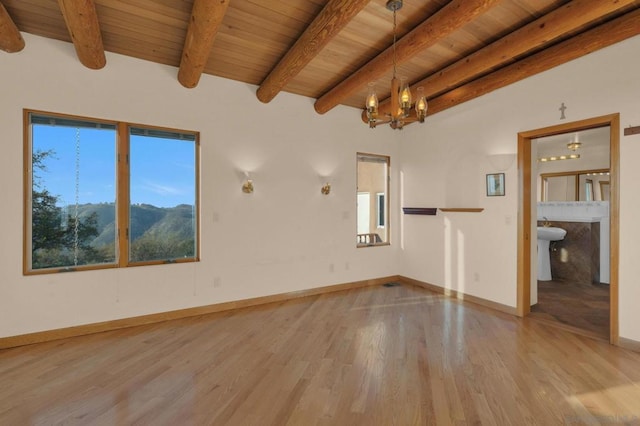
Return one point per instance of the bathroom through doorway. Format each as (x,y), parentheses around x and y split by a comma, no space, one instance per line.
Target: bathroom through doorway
(528,160)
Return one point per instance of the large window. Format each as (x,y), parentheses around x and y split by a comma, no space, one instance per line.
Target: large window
(372,200)
(107,194)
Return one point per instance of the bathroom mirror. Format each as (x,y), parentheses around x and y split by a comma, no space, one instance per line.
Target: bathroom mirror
(570,166)
(604,190)
(579,185)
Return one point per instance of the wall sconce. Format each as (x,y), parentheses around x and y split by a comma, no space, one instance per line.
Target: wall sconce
(247,186)
(326,189)
(501,162)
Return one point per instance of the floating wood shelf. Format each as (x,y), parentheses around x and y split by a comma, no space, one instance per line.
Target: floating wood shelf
(632,131)
(463,210)
(431,211)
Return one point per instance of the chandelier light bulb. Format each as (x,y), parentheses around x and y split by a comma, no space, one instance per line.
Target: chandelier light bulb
(405,96)
(372,98)
(421,105)
(371,105)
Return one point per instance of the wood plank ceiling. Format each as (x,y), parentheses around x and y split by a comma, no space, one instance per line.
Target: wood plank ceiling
(330,49)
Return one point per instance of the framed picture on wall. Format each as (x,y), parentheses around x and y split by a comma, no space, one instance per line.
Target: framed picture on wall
(495,184)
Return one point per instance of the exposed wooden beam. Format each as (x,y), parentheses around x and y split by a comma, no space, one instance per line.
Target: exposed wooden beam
(562,20)
(329,22)
(82,22)
(442,23)
(10,38)
(206,17)
(590,41)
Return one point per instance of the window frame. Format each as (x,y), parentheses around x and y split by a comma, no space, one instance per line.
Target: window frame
(588,190)
(381,213)
(382,159)
(122,193)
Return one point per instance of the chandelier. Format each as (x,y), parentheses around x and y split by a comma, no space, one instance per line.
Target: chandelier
(400,93)
(574,144)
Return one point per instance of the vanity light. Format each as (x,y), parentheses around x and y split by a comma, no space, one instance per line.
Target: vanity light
(326,188)
(559,157)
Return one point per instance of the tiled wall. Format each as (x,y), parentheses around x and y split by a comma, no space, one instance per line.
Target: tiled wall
(586,212)
(578,211)
(576,258)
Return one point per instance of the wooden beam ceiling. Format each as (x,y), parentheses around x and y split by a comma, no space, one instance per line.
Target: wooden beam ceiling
(564,20)
(317,48)
(448,19)
(82,22)
(595,39)
(206,17)
(334,16)
(10,38)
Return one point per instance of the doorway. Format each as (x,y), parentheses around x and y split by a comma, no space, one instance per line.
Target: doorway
(527,226)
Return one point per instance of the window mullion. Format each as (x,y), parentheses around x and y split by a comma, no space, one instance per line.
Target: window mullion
(122,197)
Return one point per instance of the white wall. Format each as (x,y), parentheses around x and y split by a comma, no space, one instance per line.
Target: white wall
(286,236)
(444,163)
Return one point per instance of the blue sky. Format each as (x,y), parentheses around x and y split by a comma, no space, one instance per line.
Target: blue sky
(162,170)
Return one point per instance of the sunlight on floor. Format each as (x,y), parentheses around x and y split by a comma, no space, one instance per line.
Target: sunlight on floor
(621,402)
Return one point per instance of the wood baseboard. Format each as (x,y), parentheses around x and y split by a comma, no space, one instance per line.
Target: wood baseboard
(80,330)
(461,296)
(630,344)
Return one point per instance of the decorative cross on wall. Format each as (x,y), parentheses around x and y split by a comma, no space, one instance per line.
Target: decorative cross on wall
(562,109)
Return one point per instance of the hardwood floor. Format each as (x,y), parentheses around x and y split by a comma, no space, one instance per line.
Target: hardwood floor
(581,308)
(372,356)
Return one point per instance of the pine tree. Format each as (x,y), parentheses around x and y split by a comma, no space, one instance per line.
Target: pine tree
(52,241)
